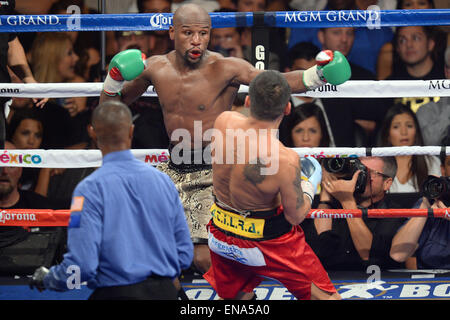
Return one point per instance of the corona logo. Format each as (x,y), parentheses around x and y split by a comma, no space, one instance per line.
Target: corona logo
(159,21)
(260,56)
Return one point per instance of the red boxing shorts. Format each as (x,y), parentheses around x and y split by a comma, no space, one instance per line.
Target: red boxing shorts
(241,265)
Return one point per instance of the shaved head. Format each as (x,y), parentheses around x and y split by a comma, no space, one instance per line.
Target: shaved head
(190,13)
(111,122)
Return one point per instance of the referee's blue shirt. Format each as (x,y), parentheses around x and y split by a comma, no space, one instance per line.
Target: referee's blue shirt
(126,224)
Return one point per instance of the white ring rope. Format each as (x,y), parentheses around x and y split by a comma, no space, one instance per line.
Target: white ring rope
(350,89)
(40,158)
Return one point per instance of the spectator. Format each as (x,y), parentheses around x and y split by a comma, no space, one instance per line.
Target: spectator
(388,58)
(11,197)
(308,5)
(227,41)
(134,40)
(227,4)
(54,60)
(26,131)
(55,122)
(105,203)
(353,121)
(301,57)
(434,116)
(401,128)
(355,243)
(277,36)
(12,61)
(306,128)
(424,242)
(86,44)
(367,42)
(160,42)
(61,186)
(415,46)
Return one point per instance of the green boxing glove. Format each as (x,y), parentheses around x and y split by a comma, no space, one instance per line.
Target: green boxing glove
(125,65)
(332,67)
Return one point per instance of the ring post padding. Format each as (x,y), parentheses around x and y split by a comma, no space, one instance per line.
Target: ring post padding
(260,42)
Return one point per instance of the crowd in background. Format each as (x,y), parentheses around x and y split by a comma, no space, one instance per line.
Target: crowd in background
(401,53)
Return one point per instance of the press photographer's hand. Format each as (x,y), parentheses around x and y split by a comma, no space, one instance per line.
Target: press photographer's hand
(438,204)
(342,190)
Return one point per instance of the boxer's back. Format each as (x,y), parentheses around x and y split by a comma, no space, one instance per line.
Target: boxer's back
(247,159)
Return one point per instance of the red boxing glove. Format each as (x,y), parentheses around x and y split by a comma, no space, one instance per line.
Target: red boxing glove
(324,57)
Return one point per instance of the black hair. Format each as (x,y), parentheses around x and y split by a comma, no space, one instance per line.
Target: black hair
(302,50)
(20,115)
(400,4)
(301,113)
(269,94)
(419,166)
(140,4)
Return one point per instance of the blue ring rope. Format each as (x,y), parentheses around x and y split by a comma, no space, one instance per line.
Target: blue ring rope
(281,19)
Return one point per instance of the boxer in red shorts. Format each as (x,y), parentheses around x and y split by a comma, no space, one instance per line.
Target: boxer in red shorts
(262,192)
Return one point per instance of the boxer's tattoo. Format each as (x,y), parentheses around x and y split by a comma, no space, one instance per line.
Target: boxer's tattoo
(252,172)
(298,185)
(201,107)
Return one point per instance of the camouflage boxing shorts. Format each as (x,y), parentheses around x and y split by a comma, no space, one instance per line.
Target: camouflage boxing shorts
(195,186)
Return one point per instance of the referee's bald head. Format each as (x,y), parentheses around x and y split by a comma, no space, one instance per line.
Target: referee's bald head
(112,121)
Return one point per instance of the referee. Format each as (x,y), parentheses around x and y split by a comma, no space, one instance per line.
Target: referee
(127,235)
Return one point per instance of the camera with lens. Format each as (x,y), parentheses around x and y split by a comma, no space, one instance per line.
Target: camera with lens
(437,188)
(344,168)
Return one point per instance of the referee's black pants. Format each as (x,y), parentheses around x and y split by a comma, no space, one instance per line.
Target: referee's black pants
(153,288)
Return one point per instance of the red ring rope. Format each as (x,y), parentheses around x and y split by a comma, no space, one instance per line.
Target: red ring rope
(60,218)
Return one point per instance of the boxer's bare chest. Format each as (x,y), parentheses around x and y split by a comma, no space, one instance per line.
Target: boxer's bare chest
(193,92)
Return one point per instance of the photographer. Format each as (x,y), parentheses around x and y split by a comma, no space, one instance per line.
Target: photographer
(355,243)
(424,243)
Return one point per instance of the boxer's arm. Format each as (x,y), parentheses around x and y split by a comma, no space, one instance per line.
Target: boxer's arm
(135,89)
(332,67)
(246,72)
(131,91)
(127,65)
(295,202)
(18,63)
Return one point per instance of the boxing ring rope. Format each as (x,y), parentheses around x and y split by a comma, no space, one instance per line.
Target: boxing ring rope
(351,88)
(30,218)
(281,19)
(62,158)
(150,22)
